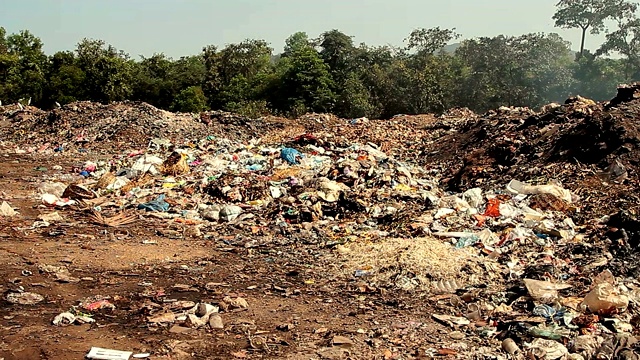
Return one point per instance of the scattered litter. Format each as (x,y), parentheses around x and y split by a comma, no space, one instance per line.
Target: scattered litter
(108,354)
(158,204)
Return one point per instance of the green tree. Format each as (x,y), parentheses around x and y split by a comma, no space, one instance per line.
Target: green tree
(302,83)
(429,41)
(66,79)
(25,67)
(626,42)
(191,99)
(108,72)
(8,70)
(296,42)
(590,15)
(528,70)
(598,77)
(235,74)
(152,81)
(338,52)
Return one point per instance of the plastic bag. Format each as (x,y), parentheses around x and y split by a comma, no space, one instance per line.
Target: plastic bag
(158,205)
(493,208)
(291,155)
(518,187)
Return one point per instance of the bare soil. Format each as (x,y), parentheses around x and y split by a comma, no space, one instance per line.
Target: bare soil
(296,288)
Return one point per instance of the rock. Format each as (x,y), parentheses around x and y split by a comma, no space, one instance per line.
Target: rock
(7,210)
(64,277)
(193,321)
(162,318)
(25,298)
(215,322)
(341,341)
(237,303)
(285,327)
(456,335)
(177,329)
(333,353)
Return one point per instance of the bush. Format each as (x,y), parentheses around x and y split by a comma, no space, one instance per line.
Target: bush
(250,108)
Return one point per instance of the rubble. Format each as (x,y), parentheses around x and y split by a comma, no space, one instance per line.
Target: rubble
(517,230)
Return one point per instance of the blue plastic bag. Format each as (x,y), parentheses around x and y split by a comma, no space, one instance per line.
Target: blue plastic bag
(290,155)
(158,205)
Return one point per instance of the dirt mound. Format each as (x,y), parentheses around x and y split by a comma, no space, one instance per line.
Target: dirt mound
(525,144)
(127,123)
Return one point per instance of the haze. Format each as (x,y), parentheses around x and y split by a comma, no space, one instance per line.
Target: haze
(177,28)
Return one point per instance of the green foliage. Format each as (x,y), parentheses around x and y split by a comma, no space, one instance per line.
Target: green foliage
(590,15)
(191,99)
(430,40)
(625,41)
(108,72)
(307,80)
(332,74)
(22,67)
(296,42)
(252,108)
(528,70)
(598,77)
(66,79)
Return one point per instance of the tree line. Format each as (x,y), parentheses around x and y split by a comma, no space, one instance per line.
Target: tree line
(332,74)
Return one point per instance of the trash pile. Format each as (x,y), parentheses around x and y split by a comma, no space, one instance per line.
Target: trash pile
(520,225)
(78,124)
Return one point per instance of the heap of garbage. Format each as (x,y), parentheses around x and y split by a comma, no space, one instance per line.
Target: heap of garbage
(534,212)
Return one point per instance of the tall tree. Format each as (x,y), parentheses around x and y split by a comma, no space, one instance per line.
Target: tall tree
(527,70)
(303,82)
(625,41)
(590,15)
(235,72)
(597,77)
(152,81)
(429,41)
(65,79)
(108,72)
(296,42)
(29,77)
(338,52)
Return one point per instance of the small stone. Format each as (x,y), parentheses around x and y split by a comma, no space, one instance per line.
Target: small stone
(341,341)
(237,303)
(333,353)
(64,277)
(215,322)
(25,298)
(177,329)
(456,335)
(194,321)
(285,327)
(162,318)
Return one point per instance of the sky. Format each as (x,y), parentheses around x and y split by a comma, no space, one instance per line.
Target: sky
(183,27)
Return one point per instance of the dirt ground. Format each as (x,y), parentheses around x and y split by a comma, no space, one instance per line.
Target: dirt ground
(299,303)
(353,253)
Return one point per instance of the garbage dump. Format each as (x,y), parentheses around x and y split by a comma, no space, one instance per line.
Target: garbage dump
(510,234)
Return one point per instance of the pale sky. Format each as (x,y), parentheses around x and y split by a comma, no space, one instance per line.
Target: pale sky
(183,27)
